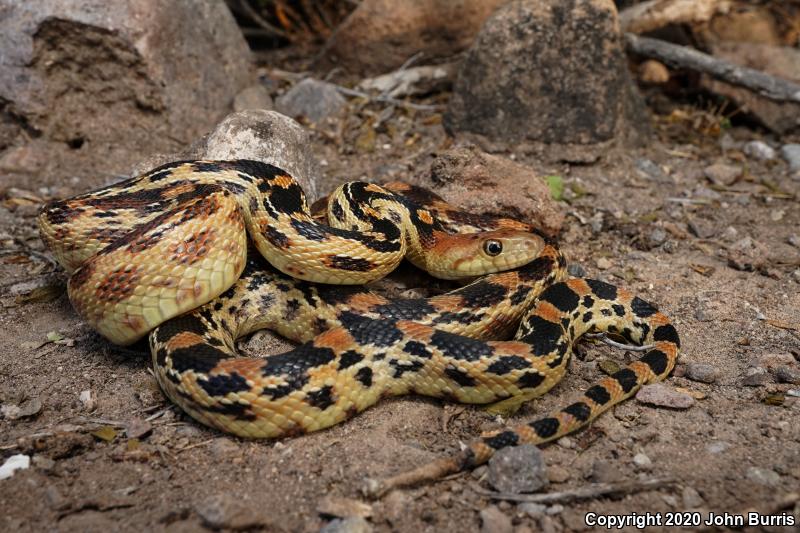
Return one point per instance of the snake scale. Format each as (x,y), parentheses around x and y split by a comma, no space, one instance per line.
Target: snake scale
(166,253)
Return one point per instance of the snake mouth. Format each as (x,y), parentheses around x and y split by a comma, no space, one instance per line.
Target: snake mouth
(476,254)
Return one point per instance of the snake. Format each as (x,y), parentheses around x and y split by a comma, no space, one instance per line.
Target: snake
(507,334)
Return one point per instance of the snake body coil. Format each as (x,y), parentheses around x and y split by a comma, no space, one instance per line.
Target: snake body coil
(153,247)
(177,235)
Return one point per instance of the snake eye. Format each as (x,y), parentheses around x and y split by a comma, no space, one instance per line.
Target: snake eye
(492,247)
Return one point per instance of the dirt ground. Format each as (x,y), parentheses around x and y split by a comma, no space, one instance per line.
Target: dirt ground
(716,259)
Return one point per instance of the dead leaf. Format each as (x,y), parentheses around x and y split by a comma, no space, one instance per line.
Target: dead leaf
(105,433)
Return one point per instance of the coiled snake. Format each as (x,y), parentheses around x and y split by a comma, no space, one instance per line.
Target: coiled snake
(166,253)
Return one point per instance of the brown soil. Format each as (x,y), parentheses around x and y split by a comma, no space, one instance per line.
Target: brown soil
(183,472)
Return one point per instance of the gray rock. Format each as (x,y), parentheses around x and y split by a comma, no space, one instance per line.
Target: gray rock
(353,524)
(534,510)
(545,71)
(791,153)
(787,374)
(148,71)
(702,229)
(312,99)
(648,169)
(759,150)
(493,520)
(137,428)
(701,372)
(723,174)
(763,476)
(642,461)
(657,237)
(691,498)
(254,97)
(664,396)
(518,469)
(794,240)
(755,377)
(266,136)
(576,270)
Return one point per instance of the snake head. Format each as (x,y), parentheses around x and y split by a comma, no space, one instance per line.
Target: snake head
(476,254)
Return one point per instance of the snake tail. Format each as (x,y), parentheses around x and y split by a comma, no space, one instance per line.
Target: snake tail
(563,313)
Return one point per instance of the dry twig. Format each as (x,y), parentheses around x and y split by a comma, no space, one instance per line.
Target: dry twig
(684,57)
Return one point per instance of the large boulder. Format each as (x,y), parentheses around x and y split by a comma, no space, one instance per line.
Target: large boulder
(380,35)
(87,87)
(550,71)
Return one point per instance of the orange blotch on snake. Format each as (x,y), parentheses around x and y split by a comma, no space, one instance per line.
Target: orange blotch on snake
(425,216)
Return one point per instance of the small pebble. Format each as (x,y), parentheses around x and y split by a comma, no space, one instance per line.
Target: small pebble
(87,398)
(566,443)
(701,229)
(518,469)
(791,154)
(576,270)
(701,314)
(664,396)
(642,461)
(479,472)
(604,264)
(763,476)
(759,150)
(554,509)
(13,463)
(723,174)
(648,169)
(730,234)
(353,524)
(755,377)
(787,374)
(137,428)
(718,446)
(493,520)
(311,98)
(657,237)
(558,474)
(794,240)
(691,498)
(534,510)
(701,372)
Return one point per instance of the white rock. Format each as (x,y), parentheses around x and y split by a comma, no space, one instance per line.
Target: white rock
(13,463)
(791,153)
(759,150)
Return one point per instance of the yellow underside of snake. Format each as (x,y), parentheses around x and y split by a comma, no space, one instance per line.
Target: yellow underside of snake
(358,347)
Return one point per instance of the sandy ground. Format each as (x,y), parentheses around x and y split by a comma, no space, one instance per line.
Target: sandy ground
(665,233)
